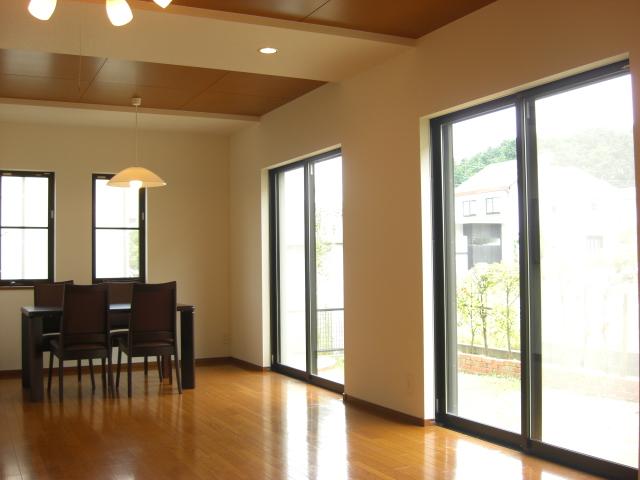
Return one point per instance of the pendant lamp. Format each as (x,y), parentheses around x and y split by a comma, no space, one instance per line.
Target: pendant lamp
(136,177)
(118,11)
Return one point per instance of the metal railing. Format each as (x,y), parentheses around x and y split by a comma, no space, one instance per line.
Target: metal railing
(330,330)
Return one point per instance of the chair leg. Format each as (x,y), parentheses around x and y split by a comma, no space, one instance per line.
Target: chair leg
(178,377)
(159,360)
(110,376)
(118,369)
(104,376)
(146,366)
(93,380)
(60,378)
(50,371)
(79,368)
(129,375)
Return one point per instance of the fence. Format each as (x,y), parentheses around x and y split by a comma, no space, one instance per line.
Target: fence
(330,330)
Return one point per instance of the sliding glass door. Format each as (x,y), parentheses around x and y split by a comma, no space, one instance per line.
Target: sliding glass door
(306,265)
(536,250)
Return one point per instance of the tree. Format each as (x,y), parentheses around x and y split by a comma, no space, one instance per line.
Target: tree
(466,310)
(506,279)
(473,300)
(468,167)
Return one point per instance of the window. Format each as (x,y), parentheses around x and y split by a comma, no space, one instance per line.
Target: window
(537,330)
(468,208)
(118,232)
(492,205)
(306,256)
(26,221)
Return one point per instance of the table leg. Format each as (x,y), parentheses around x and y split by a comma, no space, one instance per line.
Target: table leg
(35,358)
(25,351)
(188,363)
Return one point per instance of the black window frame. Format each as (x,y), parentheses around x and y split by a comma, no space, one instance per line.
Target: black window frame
(29,282)
(142,235)
(307,164)
(530,288)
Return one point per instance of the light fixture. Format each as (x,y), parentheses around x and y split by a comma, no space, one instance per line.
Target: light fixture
(119,12)
(42,9)
(162,3)
(268,50)
(136,177)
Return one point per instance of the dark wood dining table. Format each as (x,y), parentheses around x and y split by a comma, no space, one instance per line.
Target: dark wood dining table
(37,321)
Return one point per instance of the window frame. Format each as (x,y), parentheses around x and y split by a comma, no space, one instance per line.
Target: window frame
(142,235)
(469,208)
(491,201)
(29,282)
(530,290)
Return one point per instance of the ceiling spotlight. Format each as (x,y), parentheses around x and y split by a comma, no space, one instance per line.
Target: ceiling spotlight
(162,3)
(42,9)
(119,12)
(268,50)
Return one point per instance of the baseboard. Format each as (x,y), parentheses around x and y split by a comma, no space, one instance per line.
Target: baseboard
(248,365)
(386,412)
(206,362)
(7,374)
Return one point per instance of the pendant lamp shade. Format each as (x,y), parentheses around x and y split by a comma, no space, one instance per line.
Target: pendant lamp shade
(42,9)
(136,177)
(162,3)
(119,12)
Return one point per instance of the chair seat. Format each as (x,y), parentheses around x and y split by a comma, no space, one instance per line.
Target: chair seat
(81,350)
(145,348)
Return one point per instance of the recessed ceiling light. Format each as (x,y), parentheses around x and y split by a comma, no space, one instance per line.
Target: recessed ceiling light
(268,50)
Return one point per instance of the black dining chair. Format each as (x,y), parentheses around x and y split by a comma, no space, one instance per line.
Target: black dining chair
(152,328)
(52,295)
(84,331)
(122,292)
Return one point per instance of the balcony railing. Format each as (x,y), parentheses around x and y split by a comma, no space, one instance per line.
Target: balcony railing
(330,330)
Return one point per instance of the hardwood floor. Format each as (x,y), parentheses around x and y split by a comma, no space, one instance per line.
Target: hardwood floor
(236,424)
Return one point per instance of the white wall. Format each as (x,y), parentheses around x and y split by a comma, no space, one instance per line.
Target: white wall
(188,220)
(376,117)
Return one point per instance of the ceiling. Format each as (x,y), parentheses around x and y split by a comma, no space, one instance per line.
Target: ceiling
(107,81)
(404,18)
(200,57)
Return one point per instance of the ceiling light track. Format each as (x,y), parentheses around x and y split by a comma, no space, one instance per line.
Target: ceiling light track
(118,11)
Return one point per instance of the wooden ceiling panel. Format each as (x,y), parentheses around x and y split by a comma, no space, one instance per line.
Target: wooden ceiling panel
(159,75)
(121,94)
(49,65)
(232,103)
(287,9)
(264,85)
(40,88)
(69,78)
(406,18)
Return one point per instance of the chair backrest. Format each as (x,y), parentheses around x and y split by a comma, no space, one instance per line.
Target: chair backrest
(49,294)
(85,315)
(120,292)
(153,312)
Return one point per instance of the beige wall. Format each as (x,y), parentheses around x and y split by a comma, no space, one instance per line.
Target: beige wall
(187,220)
(376,117)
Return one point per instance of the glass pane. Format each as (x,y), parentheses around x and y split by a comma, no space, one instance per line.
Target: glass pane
(293,339)
(25,254)
(589,288)
(115,206)
(117,254)
(483,333)
(25,201)
(329,278)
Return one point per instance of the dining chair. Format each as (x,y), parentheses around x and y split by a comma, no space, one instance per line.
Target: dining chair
(152,328)
(52,295)
(84,331)
(122,292)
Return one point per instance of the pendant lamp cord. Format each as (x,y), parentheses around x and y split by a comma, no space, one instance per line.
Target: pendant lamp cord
(136,134)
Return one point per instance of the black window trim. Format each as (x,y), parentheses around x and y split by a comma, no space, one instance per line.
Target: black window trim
(524,103)
(29,282)
(142,237)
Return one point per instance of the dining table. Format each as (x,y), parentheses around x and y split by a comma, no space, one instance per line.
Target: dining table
(39,321)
